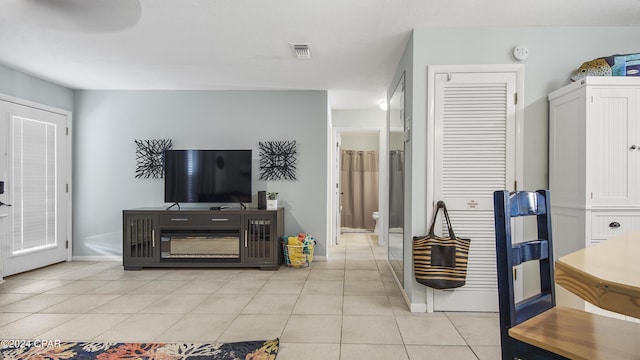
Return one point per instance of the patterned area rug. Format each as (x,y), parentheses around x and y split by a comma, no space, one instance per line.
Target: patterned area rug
(247,350)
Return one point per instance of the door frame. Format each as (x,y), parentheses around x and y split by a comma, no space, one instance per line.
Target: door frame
(68,198)
(382,179)
(518,70)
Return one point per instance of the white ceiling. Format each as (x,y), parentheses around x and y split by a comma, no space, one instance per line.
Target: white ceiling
(245,44)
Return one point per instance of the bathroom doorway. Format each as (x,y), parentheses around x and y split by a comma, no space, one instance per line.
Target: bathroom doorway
(359,186)
(357,130)
(359,181)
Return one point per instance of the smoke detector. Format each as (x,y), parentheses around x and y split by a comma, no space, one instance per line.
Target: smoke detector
(302,51)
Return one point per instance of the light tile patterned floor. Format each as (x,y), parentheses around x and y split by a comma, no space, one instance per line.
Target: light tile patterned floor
(347,308)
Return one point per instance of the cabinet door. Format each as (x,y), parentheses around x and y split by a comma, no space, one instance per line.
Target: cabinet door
(140,240)
(612,146)
(260,243)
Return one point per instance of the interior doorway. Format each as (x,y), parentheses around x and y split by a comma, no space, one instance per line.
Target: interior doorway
(359,171)
(359,174)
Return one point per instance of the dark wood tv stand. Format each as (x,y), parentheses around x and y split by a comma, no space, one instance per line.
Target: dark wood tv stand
(155,237)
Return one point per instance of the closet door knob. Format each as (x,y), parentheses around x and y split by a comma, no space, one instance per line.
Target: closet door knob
(633,147)
(614,224)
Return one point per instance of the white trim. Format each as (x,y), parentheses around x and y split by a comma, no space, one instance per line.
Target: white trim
(418,308)
(98,258)
(35,105)
(329,213)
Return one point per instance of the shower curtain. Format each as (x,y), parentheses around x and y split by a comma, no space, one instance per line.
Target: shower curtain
(359,186)
(396,189)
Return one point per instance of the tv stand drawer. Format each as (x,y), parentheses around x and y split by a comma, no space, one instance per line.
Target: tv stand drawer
(200,219)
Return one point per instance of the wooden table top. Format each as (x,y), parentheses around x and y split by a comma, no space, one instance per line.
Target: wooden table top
(577,334)
(606,275)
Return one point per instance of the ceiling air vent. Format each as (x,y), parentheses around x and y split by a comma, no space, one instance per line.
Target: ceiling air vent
(302,51)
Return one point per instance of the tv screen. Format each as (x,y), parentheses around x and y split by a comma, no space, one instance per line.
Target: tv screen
(207,176)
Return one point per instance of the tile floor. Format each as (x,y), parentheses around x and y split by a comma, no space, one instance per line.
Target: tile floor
(347,308)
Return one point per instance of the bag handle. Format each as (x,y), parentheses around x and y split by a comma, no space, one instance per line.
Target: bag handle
(443,206)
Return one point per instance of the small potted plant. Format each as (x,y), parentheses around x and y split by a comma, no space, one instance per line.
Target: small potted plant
(272,201)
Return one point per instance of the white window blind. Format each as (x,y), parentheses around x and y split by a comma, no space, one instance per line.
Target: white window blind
(33,184)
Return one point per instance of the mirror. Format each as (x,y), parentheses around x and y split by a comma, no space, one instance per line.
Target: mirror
(396,181)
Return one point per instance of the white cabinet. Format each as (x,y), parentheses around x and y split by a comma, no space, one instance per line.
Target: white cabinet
(594,154)
(594,161)
(594,143)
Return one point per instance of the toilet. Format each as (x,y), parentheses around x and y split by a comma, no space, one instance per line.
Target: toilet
(375,216)
(381,239)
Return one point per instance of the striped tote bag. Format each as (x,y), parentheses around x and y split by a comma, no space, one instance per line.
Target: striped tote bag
(440,262)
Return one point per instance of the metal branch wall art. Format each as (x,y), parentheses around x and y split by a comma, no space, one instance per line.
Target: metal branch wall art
(150,158)
(277,160)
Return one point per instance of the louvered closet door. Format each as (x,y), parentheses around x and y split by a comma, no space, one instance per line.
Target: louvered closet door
(475,135)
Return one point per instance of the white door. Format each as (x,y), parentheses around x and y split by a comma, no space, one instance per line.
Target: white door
(337,190)
(475,154)
(33,166)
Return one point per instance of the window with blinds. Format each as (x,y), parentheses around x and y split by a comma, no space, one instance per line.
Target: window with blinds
(33,179)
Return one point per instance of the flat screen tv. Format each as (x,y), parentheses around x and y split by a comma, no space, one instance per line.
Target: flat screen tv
(207,176)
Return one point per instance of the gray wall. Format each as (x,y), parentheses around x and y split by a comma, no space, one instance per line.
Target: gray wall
(27,87)
(108,122)
(554,53)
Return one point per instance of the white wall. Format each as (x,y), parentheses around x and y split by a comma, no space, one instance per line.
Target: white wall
(358,119)
(108,122)
(360,141)
(554,53)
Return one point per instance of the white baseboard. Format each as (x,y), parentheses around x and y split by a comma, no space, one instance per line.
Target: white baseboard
(418,308)
(97,258)
(319,258)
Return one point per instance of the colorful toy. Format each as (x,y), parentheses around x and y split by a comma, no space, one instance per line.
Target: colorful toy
(298,250)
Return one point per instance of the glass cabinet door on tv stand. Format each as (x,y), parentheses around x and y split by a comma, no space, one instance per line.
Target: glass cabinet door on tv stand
(140,240)
(260,244)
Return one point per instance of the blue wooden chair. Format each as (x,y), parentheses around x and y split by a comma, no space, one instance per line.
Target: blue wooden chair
(509,255)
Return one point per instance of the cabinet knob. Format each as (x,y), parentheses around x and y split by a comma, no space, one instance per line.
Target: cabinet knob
(633,147)
(614,224)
